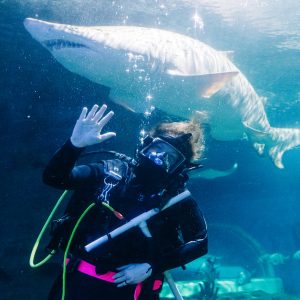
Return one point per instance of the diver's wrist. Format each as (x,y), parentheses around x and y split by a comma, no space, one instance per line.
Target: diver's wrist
(76,144)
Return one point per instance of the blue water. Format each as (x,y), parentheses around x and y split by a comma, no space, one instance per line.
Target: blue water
(39,101)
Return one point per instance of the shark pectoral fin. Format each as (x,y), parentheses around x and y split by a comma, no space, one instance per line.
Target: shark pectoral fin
(212,173)
(209,84)
(206,84)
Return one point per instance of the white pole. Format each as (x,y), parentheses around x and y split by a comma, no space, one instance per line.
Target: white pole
(135,222)
(172,285)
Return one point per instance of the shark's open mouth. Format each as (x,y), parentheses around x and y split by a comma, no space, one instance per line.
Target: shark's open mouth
(60,44)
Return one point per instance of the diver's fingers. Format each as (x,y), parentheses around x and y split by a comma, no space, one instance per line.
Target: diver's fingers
(100,113)
(120,279)
(92,112)
(123,267)
(105,119)
(124,283)
(107,136)
(119,276)
(83,114)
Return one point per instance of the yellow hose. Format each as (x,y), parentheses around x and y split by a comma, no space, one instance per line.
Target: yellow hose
(36,244)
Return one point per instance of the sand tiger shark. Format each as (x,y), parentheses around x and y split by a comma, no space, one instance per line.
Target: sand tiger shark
(175,73)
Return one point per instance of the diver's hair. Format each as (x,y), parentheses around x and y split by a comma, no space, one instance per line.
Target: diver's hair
(175,129)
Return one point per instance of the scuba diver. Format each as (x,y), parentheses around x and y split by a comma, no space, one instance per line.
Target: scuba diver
(131,265)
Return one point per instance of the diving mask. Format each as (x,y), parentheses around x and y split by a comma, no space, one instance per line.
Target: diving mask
(162,154)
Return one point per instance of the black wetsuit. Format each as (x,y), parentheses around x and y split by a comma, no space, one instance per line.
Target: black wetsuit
(178,233)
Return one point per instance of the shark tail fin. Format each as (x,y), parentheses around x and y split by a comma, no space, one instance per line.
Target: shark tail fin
(276,140)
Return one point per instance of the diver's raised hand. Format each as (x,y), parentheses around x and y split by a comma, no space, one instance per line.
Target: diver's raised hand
(87,130)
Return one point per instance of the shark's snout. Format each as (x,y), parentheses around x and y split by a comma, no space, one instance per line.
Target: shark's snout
(29,21)
(40,30)
(32,24)
(51,35)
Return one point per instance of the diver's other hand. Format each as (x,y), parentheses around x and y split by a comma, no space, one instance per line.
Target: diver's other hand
(132,274)
(87,130)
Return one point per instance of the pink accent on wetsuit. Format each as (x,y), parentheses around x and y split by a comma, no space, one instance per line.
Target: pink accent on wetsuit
(137,291)
(156,285)
(89,269)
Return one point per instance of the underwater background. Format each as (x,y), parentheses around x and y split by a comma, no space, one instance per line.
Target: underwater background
(253,215)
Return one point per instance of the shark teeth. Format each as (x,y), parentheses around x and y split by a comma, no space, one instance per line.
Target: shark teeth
(60,44)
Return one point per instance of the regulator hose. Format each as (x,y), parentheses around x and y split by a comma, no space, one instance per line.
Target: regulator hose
(41,234)
(68,247)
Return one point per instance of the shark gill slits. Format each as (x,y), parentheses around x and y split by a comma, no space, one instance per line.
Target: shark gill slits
(60,44)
